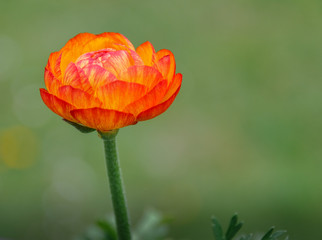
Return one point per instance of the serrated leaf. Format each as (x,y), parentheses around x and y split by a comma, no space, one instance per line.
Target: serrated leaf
(79,127)
(217,229)
(267,236)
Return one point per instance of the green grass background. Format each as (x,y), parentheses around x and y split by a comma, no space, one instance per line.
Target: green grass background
(244,134)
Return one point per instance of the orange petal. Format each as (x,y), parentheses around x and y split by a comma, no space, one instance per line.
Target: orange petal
(98,76)
(144,75)
(51,82)
(100,43)
(75,77)
(174,85)
(116,61)
(103,119)
(166,65)
(57,105)
(53,64)
(118,38)
(136,58)
(158,109)
(77,97)
(163,52)
(73,49)
(118,94)
(149,100)
(147,53)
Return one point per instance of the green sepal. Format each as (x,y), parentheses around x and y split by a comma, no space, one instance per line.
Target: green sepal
(80,128)
(109,135)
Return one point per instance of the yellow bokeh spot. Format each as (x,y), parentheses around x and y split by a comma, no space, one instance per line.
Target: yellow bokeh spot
(18,147)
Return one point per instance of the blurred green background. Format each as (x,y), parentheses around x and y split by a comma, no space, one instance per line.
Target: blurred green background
(244,134)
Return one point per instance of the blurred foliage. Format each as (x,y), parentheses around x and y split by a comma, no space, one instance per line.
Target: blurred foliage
(152,226)
(244,132)
(234,228)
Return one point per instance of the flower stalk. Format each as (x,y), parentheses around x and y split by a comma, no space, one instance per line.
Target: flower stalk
(116,185)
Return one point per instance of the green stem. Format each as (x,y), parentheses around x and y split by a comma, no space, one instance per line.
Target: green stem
(116,185)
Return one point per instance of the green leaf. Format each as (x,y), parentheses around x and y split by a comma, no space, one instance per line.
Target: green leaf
(108,229)
(217,229)
(233,227)
(246,237)
(152,226)
(278,234)
(79,127)
(267,235)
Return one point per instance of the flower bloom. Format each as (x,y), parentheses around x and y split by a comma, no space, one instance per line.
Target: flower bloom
(103,82)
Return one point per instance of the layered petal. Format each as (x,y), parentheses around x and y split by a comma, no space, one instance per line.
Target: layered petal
(103,119)
(57,105)
(147,76)
(74,48)
(77,97)
(166,64)
(118,94)
(158,109)
(98,76)
(147,53)
(117,62)
(53,64)
(149,100)
(51,82)
(118,38)
(103,82)
(75,77)
(174,85)
(136,58)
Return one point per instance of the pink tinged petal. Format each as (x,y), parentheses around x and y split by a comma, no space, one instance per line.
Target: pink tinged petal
(77,97)
(163,52)
(147,53)
(118,94)
(173,87)
(74,48)
(137,59)
(112,60)
(144,75)
(98,76)
(51,82)
(158,109)
(57,105)
(92,58)
(167,66)
(151,99)
(76,78)
(116,62)
(103,119)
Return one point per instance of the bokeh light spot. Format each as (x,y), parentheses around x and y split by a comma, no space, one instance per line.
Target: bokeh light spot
(18,147)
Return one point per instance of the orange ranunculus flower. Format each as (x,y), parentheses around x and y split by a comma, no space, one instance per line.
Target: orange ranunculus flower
(103,82)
